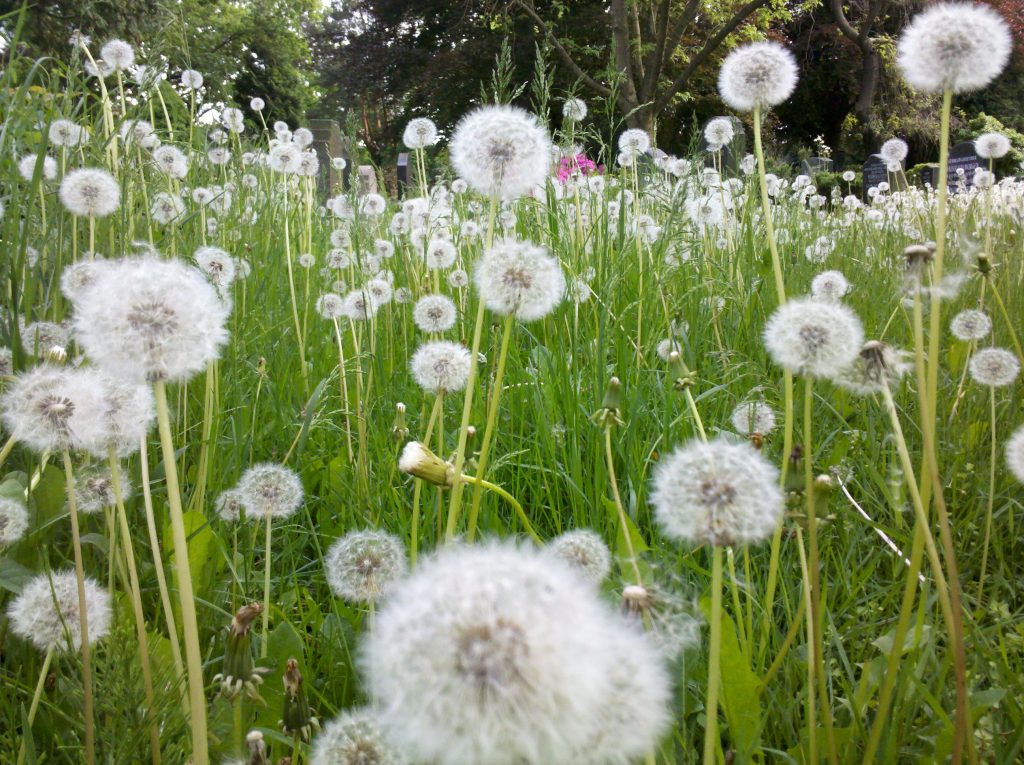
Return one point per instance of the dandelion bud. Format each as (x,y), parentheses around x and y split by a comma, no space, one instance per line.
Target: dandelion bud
(297,719)
(823,483)
(55,354)
(608,415)
(418,460)
(239,671)
(257,748)
(399,431)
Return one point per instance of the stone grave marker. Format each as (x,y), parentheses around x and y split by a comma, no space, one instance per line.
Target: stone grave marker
(403,172)
(328,143)
(930,174)
(874,172)
(367,180)
(732,152)
(962,157)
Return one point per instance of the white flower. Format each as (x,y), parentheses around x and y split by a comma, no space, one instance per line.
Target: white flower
(147,319)
(994,367)
(992,145)
(90,192)
(434,313)
(720,493)
(757,75)
(812,337)
(13,521)
(46,613)
(829,285)
(954,46)
(1015,454)
(970,325)
(753,417)
(501,151)
(519,278)
(503,655)
(574,110)
(419,133)
(354,738)
(441,366)
(585,552)
(363,565)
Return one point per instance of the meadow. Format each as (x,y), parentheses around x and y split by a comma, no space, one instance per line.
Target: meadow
(790,416)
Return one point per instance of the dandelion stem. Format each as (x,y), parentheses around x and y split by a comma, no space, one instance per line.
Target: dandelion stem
(812,711)
(523,518)
(265,643)
(614,483)
(711,743)
(991,494)
(83,618)
(36,696)
(189,624)
(6,449)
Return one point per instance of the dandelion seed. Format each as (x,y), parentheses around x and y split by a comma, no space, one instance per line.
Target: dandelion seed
(519,278)
(757,75)
(46,613)
(90,192)
(585,552)
(970,325)
(994,367)
(441,366)
(812,337)
(269,489)
(13,521)
(363,565)
(954,46)
(720,493)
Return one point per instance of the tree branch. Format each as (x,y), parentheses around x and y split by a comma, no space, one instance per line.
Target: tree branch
(655,60)
(623,54)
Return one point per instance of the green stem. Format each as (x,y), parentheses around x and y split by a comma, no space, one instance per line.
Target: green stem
(34,706)
(523,518)
(619,507)
(265,643)
(812,711)
(6,449)
(991,495)
(711,742)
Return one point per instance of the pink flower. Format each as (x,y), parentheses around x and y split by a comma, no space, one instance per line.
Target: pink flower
(570,165)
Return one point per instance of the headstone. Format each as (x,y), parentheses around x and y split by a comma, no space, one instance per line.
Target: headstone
(874,172)
(327,143)
(403,172)
(962,157)
(815,165)
(367,180)
(930,174)
(731,153)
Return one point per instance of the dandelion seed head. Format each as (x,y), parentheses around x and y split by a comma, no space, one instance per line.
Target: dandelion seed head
(360,306)
(217,264)
(440,365)
(992,145)
(191,79)
(719,493)
(634,142)
(994,367)
(718,132)
(118,54)
(6,361)
(27,167)
(67,134)
(269,489)
(829,285)
(94,489)
(354,738)
(257,104)
(434,313)
(363,565)
(13,521)
(758,74)
(753,417)
(970,325)
(1015,454)
(877,366)
(501,151)
(893,151)
(46,613)
(953,46)
(814,338)
(50,408)
(90,192)
(330,306)
(519,278)
(585,552)
(419,133)
(574,110)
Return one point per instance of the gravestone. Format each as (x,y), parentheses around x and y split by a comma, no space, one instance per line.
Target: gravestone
(874,172)
(930,174)
(367,180)
(815,165)
(328,143)
(962,157)
(731,153)
(403,172)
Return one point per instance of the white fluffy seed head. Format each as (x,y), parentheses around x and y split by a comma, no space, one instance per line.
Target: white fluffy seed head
(360,305)
(954,46)
(90,192)
(230,506)
(994,367)
(876,367)
(501,151)
(753,417)
(502,655)
(218,266)
(440,365)
(270,489)
(719,493)
(419,133)
(585,552)
(46,613)
(146,319)
(1015,454)
(893,151)
(330,306)
(13,521)
(27,167)
(519,278)
(434,313)
(129,413)
(970,325)
(718,132)
(354,738)
(118,54)
(759,74)
(440,254)
(634,142)
(812,337)
(829,285)
(992,145)
(574,110)
(94,489)
(363,565)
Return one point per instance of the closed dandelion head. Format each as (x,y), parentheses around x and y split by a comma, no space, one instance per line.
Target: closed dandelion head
(829,285)
(574,110)
(419,133)
(440,365)
(667,347)
(269,489)
(493,654)
(753,417)
(363,565)
(992,145)
(501,151)
(719,493)
(417,460)
(94,489)
(1015,454)
(813,338)
(970,325)
(52,408)
(585,552)
(757,75)
(118,54)
(877,366)
(46,613)
(354,738)
(146,319)
(90,192)
(330,306)
(954,46)
(519,278)
(893,151)
(434,313)
(994,367)
(13,521)
(239,672)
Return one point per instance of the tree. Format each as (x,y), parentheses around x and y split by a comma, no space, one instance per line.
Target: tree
(866,14)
